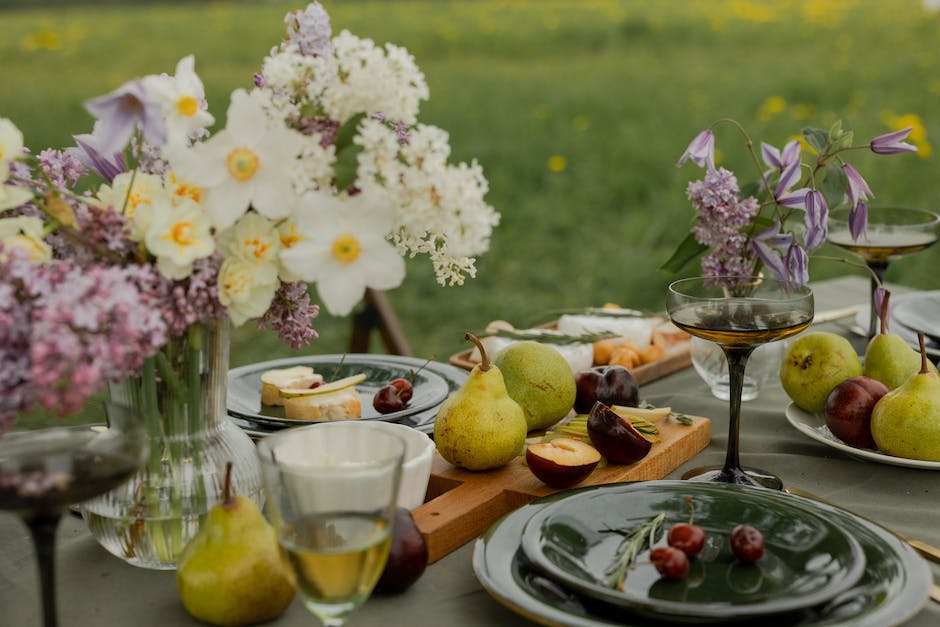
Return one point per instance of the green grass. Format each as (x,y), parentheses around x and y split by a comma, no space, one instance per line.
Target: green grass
(616,88)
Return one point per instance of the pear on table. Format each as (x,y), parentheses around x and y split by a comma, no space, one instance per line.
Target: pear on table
(479,426)
(233,571)
(888,358)
(906,421)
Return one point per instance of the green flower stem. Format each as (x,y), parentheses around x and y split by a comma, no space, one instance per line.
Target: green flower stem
(196,335)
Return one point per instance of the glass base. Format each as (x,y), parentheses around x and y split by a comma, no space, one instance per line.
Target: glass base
(739,476)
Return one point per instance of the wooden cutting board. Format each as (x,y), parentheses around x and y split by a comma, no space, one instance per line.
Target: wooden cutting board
(461,504)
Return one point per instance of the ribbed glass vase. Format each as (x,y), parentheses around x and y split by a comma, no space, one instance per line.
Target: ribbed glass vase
(181,393)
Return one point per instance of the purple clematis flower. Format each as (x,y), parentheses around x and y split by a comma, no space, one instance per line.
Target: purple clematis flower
(858,190)
(858,220)
(701,151)
(777,159)
(797,265)
(88,153)
(121,111)
(816,218)
(878,301)
(892,143)
(768,245)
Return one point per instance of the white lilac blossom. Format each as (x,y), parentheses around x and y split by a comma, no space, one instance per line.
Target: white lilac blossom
(735,243)
(310,30)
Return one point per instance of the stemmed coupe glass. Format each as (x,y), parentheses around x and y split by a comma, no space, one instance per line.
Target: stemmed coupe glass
(331,494)
(739,314)
(892,232)
(44,471)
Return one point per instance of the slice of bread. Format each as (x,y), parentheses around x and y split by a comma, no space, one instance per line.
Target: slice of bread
(342,404)
(297,377)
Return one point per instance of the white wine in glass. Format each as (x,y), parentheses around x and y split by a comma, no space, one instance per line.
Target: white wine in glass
(331,494)
(739,314)
(892,232)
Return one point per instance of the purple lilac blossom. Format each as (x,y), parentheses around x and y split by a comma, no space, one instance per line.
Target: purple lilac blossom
(192,300)
(816,221)
(892,143)
(62,167)
(106,227)
(310,30)
(720,216)
(291,315)
(701,151)
(121,112)
(18,285)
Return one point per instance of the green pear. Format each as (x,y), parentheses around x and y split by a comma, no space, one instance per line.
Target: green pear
(233,571)
(814,364)
(539,379)
(888,357)
(479,426)
(906,421)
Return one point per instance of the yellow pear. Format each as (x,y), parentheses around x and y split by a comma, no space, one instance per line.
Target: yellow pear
(480,427)
(233,572)
(888,358)
(906,421)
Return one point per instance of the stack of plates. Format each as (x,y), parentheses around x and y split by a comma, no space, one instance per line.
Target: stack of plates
(909,313)
(549,561)
(432,385)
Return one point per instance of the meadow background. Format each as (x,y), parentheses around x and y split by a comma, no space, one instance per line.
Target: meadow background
(577,111)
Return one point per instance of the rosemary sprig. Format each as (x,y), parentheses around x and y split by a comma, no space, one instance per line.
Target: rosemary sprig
(550,338)
(630,547)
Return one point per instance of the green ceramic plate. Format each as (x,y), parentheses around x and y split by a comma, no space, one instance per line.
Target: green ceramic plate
(244,386)
(893,588)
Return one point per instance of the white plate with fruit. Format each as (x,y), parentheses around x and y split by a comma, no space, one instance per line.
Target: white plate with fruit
(814,425)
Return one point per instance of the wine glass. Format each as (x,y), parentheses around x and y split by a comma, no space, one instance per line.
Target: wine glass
(739,314)
(331,494)
(43,472)
(892,232)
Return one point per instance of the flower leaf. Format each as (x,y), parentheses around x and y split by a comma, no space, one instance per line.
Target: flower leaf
(833,184)
(347,132)
(345,166)
(817,138)
(688,250)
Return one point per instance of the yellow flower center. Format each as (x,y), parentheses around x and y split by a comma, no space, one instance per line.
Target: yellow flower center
(257,247)
(346,249)
(183,233)
(185,190)
(187,106)
(242,164)
(290,238)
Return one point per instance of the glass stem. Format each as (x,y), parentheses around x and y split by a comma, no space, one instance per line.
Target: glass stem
(43,528)
(877,280)
(737,360)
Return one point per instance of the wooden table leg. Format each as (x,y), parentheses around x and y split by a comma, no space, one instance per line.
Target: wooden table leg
(377,313)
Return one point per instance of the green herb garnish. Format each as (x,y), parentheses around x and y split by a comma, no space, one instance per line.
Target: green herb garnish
(630,547)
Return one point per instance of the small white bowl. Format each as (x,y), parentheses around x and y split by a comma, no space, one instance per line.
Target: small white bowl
(416,467)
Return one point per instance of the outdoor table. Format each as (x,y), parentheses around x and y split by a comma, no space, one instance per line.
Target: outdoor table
(96,588)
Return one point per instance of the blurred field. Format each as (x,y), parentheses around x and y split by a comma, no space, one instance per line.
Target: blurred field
(577,111)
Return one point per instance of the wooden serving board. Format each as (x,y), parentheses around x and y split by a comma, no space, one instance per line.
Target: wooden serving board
(461,504)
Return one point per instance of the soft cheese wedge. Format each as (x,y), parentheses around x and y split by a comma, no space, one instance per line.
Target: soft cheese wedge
(344,404)
(272,381)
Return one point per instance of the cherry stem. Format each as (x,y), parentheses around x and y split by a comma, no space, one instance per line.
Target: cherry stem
(691,504)
(485,359)
(414,373)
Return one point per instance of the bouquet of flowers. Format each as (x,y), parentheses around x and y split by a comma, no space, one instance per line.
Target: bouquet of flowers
(777,221)
(110,251)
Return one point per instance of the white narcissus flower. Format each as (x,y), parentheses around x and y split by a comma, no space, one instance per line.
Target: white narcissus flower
(13,196)
(246,289)
(134,194)
(25,233)
(253,238)
(178,236)
(182,99)
(248,163)
(11,146)
(343,247)
(179,189)
(289,236)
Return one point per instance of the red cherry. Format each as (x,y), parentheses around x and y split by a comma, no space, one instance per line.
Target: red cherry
(404,387)
(670,562)
(316,384)
(688,538)
(386,400)
(747,543)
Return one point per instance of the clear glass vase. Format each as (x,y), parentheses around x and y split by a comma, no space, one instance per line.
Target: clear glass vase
(181,393)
